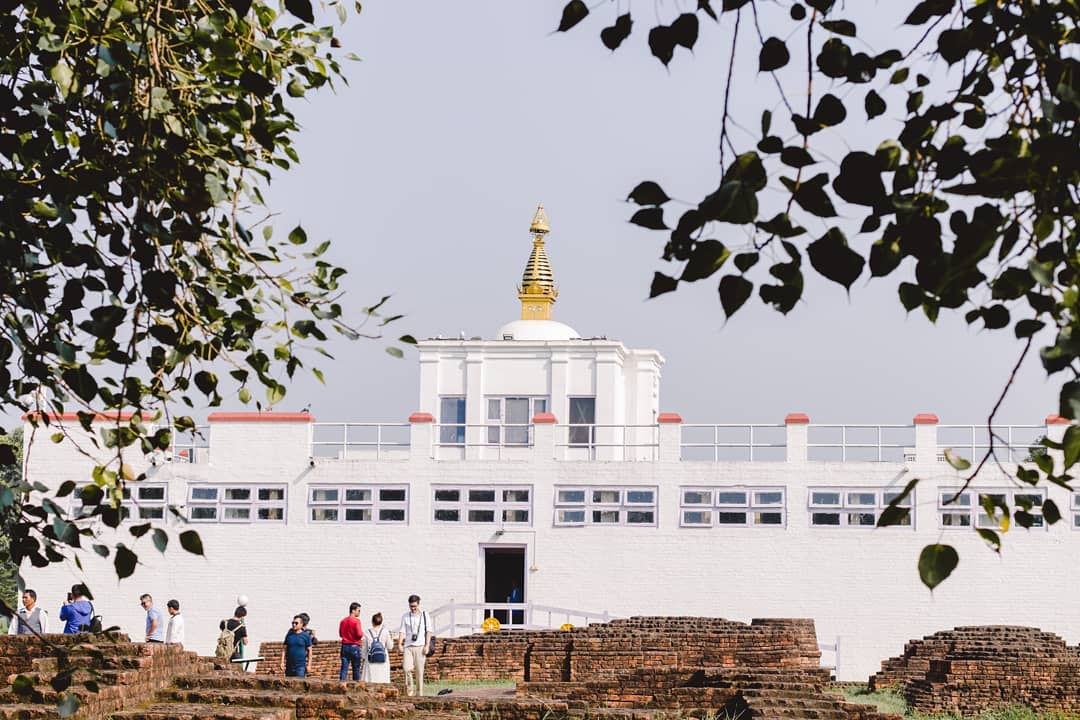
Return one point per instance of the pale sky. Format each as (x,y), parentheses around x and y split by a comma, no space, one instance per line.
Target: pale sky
(426,169)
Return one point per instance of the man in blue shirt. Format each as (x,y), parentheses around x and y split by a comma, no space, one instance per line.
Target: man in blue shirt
(155,623)
(296,654)
(77,611)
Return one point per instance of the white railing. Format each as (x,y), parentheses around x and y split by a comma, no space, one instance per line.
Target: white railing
(876,443)
(971,441)
(733,442)
(607,442)
(489,441)
(378,441)
(454,619)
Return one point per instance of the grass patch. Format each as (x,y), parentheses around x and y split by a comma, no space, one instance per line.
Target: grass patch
(889,701)
(886,701)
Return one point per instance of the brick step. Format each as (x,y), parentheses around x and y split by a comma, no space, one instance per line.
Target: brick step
(178,711)
(28,712)
(296,698)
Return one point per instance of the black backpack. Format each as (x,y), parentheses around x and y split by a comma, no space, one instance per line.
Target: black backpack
(95,625)
(376,650)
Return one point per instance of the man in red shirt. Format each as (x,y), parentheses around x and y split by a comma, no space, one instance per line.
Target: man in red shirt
(352,635)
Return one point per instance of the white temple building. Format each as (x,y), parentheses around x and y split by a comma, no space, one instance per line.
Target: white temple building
(541,460)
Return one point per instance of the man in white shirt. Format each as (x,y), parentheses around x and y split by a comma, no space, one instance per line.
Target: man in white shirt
(175,632)
(414,636)
(30,617)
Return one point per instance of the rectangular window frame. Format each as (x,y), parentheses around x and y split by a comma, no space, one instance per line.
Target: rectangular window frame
(222,504)
(853,508)
(967,512)
(718,502)
(502,434)
(133,508)
(465,504)
(590,507)
(452,430)
(374,504)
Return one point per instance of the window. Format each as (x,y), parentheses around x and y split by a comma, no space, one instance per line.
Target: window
(605,506)
(1076,511)
(509,419)
(452,421)
(141,500)
(483,505)
(358,504)
(582,421)
(236,503)
(969,508)
(732,507)
(854,507)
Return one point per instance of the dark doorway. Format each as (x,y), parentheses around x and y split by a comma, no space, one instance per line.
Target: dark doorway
(504,580)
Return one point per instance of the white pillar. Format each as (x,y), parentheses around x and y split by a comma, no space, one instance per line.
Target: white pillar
(421,435)
(543,437)
(669,433)
(798,437)
(926,441)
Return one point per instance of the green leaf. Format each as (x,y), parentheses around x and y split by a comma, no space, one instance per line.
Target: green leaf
(706,258)
(957,462)
(840,27)
(936,563)
(124,562)
(613,36)
(275,392)
(648,193)
(831,256)
(1070,445)
(298,236)
(395,352)
(661,284)
(733,202)
(992,538)
(22,685)
(734,292)
(830,110)
(651,218)
(301,9)
(62,74)
(780,225)
(190,541)
(773,56)
(859,181)
(685,30)
(796,157)
(573,13)
(161,539)
(893,515)
(873,104)
(1050,512)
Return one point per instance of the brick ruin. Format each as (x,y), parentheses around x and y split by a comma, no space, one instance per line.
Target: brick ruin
(643,668)
(968,670)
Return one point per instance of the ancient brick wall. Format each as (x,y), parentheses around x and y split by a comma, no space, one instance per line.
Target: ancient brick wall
(972,669)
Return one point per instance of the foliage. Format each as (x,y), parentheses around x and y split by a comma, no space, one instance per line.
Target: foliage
(10,477)
(140,261)
(971,206)
(886,701)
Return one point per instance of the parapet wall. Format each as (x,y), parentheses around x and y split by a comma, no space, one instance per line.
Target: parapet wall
(968,670)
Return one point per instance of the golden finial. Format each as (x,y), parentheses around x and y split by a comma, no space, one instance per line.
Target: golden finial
(537,291)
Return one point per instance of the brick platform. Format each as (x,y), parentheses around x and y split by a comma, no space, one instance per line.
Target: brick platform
(969,670)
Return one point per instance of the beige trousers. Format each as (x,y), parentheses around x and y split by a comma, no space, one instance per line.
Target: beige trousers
(412,663)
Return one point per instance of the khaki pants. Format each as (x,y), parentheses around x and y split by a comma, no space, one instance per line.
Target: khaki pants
(412,663)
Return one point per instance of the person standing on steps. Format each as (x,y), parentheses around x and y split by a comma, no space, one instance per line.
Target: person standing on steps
(237,626)
(352,636)
(375,671)
(296,652)
(155,623)
(31,617)
(175,632)
(77,611)
(414,636)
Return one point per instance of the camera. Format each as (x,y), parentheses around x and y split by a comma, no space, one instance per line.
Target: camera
(414,636)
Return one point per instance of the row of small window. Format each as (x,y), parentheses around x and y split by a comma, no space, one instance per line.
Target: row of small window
(508,420)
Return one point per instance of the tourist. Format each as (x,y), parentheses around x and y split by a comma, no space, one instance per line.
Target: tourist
(352,635)
(155,623)
(377,672)
(309,630)
(77,610)
(414,636)
(296,652)
(175,632)
(30,619)
(238,628)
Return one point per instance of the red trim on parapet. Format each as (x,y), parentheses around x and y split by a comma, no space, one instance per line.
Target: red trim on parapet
(669,418)
(797,419)
(1057,420)
(74,417)
(925,419)
(261,417)
(421,417)
(543,419)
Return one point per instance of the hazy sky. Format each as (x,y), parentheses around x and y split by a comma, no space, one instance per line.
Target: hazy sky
(426,169)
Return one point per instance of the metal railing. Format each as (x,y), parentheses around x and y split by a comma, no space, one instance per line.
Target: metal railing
(453,617)
(733,442)
(1013,443)
(378,441)
(489,441)
(607,442)
(875,443)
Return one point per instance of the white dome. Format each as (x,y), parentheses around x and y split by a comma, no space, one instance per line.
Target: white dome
(536,330)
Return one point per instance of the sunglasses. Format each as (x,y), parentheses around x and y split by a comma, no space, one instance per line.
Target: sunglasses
(296,623)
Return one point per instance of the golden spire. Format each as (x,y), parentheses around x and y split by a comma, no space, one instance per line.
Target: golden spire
(537,291)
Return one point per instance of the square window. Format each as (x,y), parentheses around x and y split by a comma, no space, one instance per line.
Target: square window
(955,520)
(204,493)
(442,515)
(605,496)
(727,497)
(576,517)
(699,517)
(392,495)
(768,518)
(862,498)
(515,496)
(357,495)
(324,495)
(516,516)
(271,513)
(237,494)
(151,493)
(697,497)
(950,499)
(730,518)
(357,514)
(825,519)
(640,517)
(236,513)
(151,513)
(319,514)
(605,516)
(203,513)
(770,497)
(484,496)
(861,519)
(447,495)
(271,494)
(482,516)
(640,497)
(825,498)
(392,514)
(571,496)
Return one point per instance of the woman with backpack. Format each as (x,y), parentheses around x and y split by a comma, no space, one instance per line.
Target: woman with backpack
(378,642)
